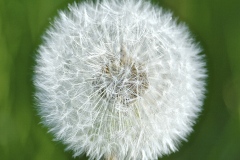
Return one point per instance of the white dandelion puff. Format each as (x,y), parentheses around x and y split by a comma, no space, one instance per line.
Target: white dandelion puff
(119,80)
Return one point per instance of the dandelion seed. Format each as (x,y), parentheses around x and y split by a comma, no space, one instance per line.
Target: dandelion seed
(119,80)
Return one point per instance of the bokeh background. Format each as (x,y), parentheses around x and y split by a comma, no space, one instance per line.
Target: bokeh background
(214,23)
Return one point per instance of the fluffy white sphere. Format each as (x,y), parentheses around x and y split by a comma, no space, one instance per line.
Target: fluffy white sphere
(119,80)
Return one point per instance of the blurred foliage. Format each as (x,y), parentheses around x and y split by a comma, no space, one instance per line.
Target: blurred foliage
(215,23)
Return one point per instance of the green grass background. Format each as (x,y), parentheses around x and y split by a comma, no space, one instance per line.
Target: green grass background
(215,23)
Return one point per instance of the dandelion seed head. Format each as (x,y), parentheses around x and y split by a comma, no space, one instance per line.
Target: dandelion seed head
(119,80)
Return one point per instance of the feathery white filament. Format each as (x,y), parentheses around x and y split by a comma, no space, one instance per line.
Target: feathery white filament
(119,79)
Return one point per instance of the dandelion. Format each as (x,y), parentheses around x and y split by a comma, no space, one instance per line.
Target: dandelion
(119,80)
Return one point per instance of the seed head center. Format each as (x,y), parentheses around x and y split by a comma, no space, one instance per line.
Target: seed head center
(122,79)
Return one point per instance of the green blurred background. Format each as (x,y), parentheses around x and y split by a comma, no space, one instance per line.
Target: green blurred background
(215,23)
